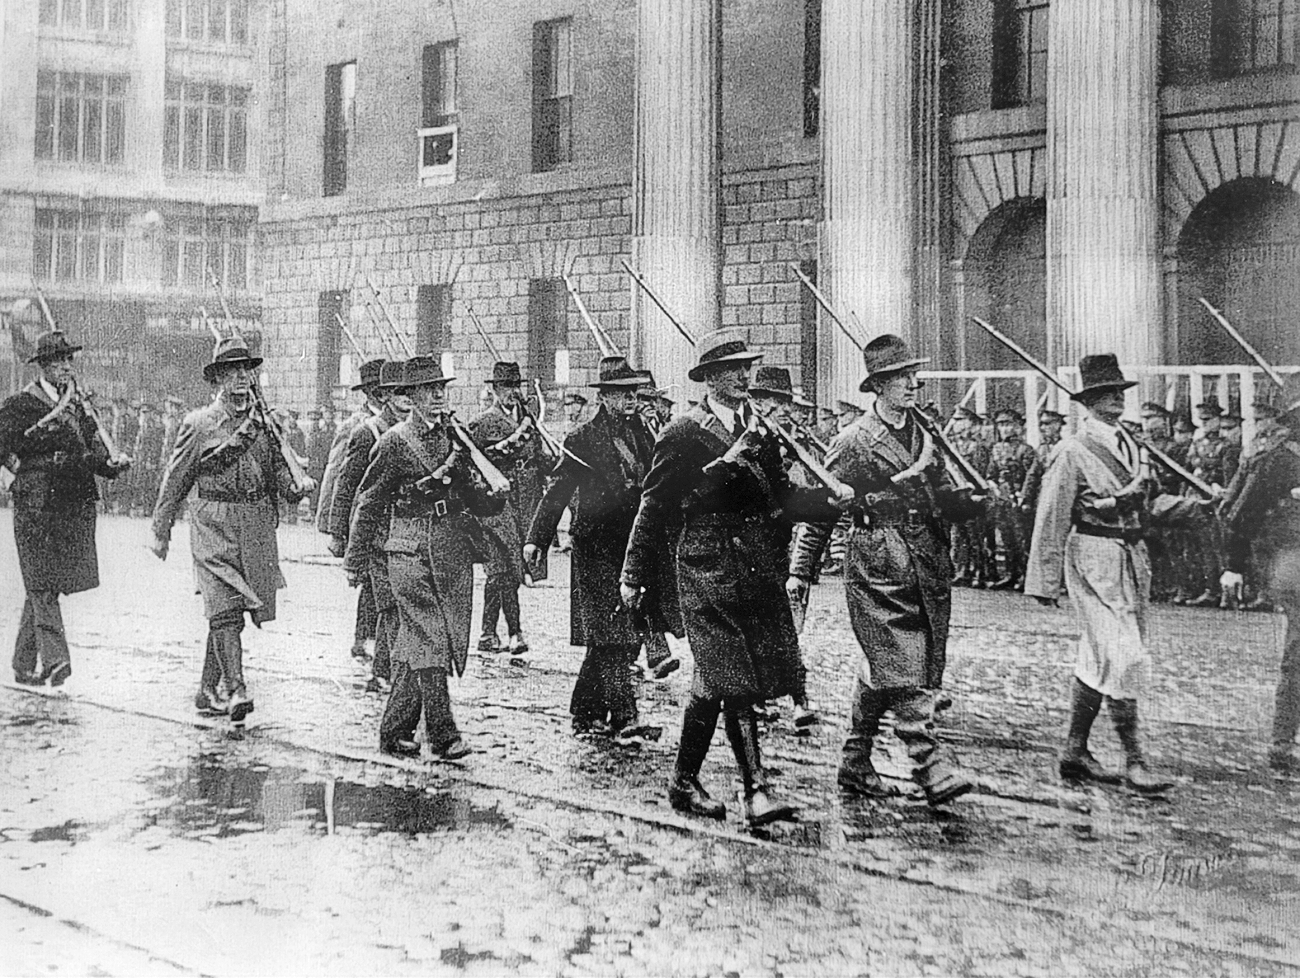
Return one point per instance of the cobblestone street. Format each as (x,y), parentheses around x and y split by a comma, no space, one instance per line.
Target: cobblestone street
(136,837)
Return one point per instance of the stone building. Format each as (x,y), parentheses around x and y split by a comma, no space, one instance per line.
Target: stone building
(130,155)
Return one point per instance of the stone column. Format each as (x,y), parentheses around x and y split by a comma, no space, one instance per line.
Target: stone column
(868,178)
(1103,211)
(677,179)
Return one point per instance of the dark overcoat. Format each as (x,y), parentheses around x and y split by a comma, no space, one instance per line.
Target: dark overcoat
(432,535)
(325,499)
(240,476)
(604,496)
(898,575)
(730,577)
(356,459)
(54,491)
(523,464)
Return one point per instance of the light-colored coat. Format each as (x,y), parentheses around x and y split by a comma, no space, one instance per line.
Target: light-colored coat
(236,557)
(1108,578)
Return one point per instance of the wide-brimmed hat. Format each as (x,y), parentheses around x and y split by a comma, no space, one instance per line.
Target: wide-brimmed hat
(887,354)
(1183,423)
(1008,414)
(53,345)
(1048,416)
(573,397)
(1209,408)
(617,372)
(228,351)
(1154,409)
(721,348)
(773,382)
(368,375)
(505,372)
(392,373)
(800,400)
(422,371)
(848,407)
(1098,373)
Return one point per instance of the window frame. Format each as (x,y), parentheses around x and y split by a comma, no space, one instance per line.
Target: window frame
(433,318)
(65,108)
(553,77)
(191,22)
(340,126)
(89,245)
(114,16)
(191,112)
(548,327)
(224,245)
(435,80)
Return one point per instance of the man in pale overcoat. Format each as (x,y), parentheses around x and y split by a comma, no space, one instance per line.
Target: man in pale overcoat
(1088,534)
(227,454)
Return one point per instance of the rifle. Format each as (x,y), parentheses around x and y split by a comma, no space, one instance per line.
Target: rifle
(806,458)
(392,323)
(296,473)
(1231,330)
(487,340)
(636,277)
(603,342)
(350,338)
(1178,470)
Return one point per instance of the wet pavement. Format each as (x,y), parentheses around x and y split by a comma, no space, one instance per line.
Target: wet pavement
(136,837)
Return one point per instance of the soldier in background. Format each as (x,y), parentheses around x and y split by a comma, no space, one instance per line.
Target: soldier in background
(319,439)
(1050,425)
(1162,542)
(149,441)
(1206,458)
(1010,462)
(1182,547)
(975,552)
(126,437)
(575,405)
(1268,433)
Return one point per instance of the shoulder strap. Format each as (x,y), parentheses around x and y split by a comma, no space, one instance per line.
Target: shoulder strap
(421,453)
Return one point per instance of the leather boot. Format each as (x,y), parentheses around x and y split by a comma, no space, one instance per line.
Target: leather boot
(209,700)
(857,773)
(1136,775)
(938,777)
(686,794)
(759,805)
(230,649)
(488,641)
(1077,762)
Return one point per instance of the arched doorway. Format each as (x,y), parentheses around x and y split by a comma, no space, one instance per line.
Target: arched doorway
(1240,249)
(1006,284)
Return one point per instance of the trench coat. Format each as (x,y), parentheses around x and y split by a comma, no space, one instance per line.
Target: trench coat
(897,569)
(359,450)
(604,496)
(54,491)
(1108,576)
(325,498)
(432,536)
(731,584)
(523,465)
(239,476)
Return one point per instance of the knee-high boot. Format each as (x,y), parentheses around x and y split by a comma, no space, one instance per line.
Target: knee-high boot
(857,773)
(209,700)
(742,730)
(1136,774)
(686,794)
(488,641)
(1077,762)
(230,649)
(938,777)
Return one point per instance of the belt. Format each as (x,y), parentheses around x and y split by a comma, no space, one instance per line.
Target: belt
(54,460)
(1127,534)
(915,518)
(232,496)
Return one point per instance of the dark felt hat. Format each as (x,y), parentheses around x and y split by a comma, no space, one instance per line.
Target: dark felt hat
(773,382)
(573,397)
(617,372)
(392,373)
(1153,409)
(230,350)
(1008,414)
(505,372)
(1183,423)
(369,374)
(1099,373)
(848,407)
(53,345)
(887,354)
(1047,416)
(1209,408)
(423,370)
(721,348)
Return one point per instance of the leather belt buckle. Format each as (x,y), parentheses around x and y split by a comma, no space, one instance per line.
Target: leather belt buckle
(440,508)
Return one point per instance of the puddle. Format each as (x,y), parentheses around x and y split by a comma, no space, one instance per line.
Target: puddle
(210,800)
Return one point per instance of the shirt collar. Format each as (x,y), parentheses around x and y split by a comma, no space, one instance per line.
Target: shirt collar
(723,413)
(50,390)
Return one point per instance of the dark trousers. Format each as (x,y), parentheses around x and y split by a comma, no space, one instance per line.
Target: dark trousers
(366,614)
(40,633)
(656,649)
(415,691)
(386,618)
(913,709)
(500,597)
(604,686)
(1286,716)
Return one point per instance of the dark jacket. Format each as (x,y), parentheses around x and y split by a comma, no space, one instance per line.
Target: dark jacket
(1258,509)
(604,496)
(730,580)
(898,575)
(356,458)
(431,539)
(54,491)
(523,464)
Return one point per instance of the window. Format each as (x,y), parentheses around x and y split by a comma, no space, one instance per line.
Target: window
(433,319)
(1020,63)
(812,67)
(85,15)
(80,118)
(340,124)
(548,325)
(331,307)
(552,94)
(72,246)
(193,247)
(1255,35)
(808,333)
(205,127)
(214,21)
(439,84)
